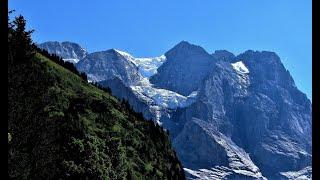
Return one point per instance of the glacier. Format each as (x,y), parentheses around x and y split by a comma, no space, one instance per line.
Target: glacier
(147,66)
(144,89)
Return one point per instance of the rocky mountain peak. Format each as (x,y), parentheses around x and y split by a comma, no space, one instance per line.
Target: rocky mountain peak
(185,48)
(266,67)
(186,66)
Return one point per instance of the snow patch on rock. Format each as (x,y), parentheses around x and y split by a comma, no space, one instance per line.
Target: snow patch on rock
(240,67)
(303,174)
(218,172)
(72,60)
(242,73)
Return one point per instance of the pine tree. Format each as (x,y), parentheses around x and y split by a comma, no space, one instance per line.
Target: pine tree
(19,40)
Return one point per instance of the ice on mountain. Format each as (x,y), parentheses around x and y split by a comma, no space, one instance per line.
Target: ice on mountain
(162,97)
(147,66)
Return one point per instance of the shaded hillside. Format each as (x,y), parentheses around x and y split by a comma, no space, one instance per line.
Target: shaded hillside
(61,127)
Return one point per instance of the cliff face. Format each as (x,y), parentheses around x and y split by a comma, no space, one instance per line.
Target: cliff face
(260,110)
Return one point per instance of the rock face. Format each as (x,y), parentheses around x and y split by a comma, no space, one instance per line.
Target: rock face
(68,51)
(185,68)
(280,116)
(229,117)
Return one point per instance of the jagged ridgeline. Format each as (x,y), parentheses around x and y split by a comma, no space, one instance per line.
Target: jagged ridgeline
(61,127)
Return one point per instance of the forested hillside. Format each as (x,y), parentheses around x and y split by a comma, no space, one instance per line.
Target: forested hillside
(62,127)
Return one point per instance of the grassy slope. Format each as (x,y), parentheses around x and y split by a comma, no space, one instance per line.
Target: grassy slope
(63,127)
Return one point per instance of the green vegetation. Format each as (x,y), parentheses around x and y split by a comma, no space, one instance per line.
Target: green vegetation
(61,127)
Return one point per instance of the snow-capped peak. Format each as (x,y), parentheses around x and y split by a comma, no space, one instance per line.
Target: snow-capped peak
(240,67)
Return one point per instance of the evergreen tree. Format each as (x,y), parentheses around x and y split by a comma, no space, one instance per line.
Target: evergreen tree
(19,40)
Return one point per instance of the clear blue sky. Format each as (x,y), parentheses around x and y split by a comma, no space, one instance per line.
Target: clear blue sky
(150,28)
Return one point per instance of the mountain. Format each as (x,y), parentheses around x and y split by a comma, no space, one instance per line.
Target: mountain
(69,51)
(62,127)
(229,117)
